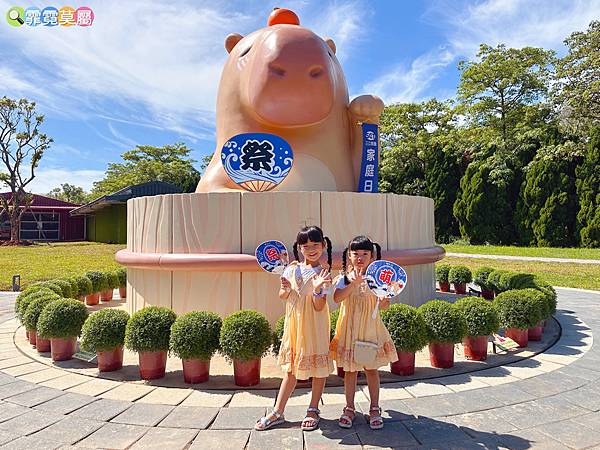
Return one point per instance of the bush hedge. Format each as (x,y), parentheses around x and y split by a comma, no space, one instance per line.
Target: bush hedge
(460,275)
(62,318)
(406,327)
(480,316)
(480,277)
(122,274)
(517,309)
(278,334)
(74,286)
(112,279)
(195,335)
(33,311)
(99,281)
(245,335)
(85,285)
(149,329)
(23,302)
(494,280)
(104,330)
(333,318)
(444,321)
(65,288)
(441,273)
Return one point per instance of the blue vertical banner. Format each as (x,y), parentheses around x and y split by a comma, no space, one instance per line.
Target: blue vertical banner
(369,168)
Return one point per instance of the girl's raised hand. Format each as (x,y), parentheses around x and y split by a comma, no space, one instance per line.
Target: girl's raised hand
(356,277)
(285,284)
(321,279)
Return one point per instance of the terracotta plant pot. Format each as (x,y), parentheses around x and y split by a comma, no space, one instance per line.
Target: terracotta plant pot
(518,335)
(110,360)
(444,287)
(31,336)
(441,355)
(487,294)
(42,345)
(460,288)
(246,373)
(152,364)
(535,333)
(107,295)
(475,347)
(405,364)
(195,370)
(63,349)
(123,292)
(92,299)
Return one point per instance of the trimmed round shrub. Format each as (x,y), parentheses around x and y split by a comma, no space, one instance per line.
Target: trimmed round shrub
(112,279)
(333,318)
(52,286)
(460,275)
(26,300)
(149,329)
(443,321)
(548,291)
(26,292)
(517,309)
(406,327)
(62,318)
(515,280)
(99,281)
(441,273)
(122,274)
(245,335)
(74,287)
(539,299)
(480,316)
(480,277)
(104,330)
(33,311)
(65,288)
(278,335)
(195,335)
(85,285)
(494,280)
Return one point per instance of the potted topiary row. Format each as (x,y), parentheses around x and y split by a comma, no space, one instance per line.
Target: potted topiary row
(441,276)
(195,339)
(445,327)
(85,287)
(517,312)
(61,322)
(245,337)
(112,282)
(459,276)
(122,275)
(24,300)
(480,278)
(99,285)
(31,316)
(147,333)
(409,333)
(104,333)
(481,321)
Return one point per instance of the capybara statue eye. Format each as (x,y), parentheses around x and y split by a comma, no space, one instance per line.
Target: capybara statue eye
(245,51)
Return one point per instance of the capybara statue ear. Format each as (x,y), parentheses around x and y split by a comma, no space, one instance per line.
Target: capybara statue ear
(331,44)
(232,40)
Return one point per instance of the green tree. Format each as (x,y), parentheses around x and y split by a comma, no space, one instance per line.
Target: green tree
(482,206)
(170,163)
(548,203)
(577,87)
(69,193)
(495,90)
(21,148)
(442,178)
(588,192)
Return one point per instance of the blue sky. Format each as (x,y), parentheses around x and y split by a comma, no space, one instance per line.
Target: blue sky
(147,72)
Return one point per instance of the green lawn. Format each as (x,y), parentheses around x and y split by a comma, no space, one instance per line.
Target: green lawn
(46,261)
(583,276)
(546,252)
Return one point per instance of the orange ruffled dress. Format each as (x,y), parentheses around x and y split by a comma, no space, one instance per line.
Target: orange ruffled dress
(304,347)
(356,323)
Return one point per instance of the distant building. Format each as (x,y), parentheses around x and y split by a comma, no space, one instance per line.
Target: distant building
(47,219)
(106,217)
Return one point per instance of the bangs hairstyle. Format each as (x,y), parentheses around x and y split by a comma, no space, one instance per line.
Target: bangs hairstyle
(313,234)
(359,243)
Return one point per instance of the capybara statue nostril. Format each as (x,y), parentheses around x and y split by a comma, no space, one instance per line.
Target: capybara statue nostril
(316,72)
(275,69)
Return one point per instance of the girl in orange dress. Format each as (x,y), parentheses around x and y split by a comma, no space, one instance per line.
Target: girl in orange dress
(304,351)
(359,321)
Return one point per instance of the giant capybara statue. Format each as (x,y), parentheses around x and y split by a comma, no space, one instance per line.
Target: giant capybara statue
(285,80)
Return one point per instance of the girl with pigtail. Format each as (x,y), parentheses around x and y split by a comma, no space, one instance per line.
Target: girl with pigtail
(304,351)
(359,323)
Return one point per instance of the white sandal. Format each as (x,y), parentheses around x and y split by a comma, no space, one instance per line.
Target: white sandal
(346,417)
(377,418)
(266,423)
(307,418)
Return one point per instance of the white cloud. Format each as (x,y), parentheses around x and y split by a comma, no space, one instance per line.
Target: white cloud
(47,179)
(516,23)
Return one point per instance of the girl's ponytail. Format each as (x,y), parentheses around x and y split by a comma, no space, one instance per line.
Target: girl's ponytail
(296,252)
(328,241)
(344,265)
(378,248)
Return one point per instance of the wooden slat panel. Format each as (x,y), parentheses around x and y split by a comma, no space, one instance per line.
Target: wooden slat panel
(410,221)
(139,214)
(152,288)
(130,224)
(206,223)
(259,292)
(349,214)
(420,286)
(157,234)
(206,291)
